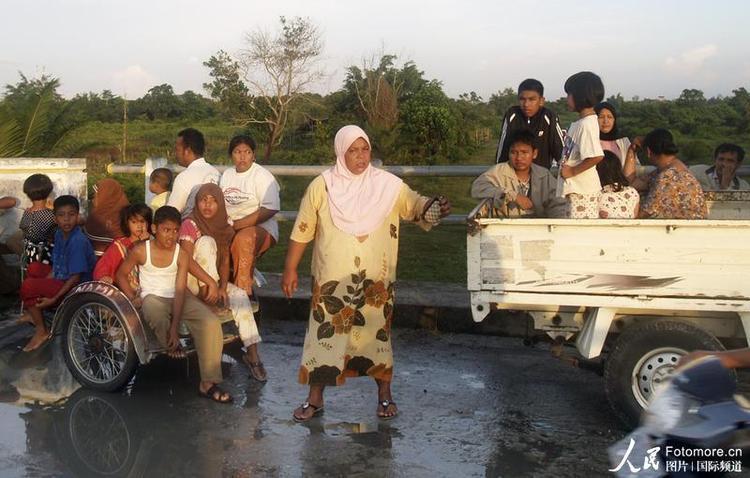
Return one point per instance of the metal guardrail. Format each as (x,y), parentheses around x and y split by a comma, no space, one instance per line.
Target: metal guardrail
(305,170)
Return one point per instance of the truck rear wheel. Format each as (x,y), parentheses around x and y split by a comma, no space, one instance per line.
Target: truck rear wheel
(644,358)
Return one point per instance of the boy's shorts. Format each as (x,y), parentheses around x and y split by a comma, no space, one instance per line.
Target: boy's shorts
(34,288)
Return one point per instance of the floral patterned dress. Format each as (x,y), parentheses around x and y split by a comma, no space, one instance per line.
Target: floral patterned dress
(349,330)
(674,194)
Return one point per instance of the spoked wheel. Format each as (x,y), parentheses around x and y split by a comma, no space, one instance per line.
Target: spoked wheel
(100,436)
(96,345)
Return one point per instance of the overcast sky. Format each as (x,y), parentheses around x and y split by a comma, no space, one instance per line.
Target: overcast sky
(644,48)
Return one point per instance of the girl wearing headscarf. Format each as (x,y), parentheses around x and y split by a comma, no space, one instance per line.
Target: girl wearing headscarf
(103,223)
(207,236)
(609,133)
(352,212)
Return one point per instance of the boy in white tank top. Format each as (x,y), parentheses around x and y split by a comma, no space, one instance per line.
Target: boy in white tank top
(165,300)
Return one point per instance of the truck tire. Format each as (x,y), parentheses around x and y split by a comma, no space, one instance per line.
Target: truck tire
(643,358)
(96,343)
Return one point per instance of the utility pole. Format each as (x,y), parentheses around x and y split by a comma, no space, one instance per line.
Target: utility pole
(124,127)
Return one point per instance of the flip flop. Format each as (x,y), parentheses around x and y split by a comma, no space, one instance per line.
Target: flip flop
(215,393)
(316,411)
(253,366)
(385,404)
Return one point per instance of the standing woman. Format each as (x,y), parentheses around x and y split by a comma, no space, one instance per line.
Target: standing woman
(609,132)
(352,211)
(252,198)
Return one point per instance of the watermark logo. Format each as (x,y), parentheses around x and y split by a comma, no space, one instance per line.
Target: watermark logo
(674,459)
(650,461)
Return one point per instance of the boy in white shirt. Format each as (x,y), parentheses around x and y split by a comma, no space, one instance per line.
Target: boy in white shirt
(251,194)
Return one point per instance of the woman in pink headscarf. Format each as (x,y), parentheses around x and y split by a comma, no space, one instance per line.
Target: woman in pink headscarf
(352,211)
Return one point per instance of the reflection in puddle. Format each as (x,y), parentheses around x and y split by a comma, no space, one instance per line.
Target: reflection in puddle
(372,434)
(36,376)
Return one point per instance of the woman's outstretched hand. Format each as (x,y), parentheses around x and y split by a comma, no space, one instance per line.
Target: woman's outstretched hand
(445,206)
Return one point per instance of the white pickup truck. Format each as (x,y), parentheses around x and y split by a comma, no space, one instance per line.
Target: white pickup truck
(639,293)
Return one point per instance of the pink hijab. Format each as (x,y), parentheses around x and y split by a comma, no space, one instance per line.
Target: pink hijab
(359,203)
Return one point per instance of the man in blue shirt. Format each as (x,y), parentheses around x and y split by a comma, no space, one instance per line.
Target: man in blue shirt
(72,262)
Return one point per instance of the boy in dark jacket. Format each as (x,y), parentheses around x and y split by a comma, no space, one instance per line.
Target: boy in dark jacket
(531,115)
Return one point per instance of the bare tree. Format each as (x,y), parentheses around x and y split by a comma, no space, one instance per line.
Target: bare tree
(279,68)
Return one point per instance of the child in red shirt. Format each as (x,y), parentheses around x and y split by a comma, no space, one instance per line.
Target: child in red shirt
(135,221)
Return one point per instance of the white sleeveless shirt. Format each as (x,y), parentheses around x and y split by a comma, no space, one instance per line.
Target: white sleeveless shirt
(158,281)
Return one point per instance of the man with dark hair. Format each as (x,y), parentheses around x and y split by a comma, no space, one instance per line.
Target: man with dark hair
(188,150)
(722,175)
(531,115)
(518,187)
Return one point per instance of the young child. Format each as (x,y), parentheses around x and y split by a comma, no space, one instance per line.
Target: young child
(578,181)
(618,200)
(160,183)
(72,260)
(162,269)
(531,115)
(38,226)
(135,222)
(519,187)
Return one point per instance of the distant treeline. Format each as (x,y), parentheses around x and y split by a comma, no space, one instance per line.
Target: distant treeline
(410,118)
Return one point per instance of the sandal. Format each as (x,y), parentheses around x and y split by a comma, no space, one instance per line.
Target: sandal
(316,411)
(384,414)
(215,393)
(257,370)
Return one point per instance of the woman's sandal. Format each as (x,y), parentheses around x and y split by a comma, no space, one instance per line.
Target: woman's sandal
(216,394)
(257,370)
(316,411)
(385,404)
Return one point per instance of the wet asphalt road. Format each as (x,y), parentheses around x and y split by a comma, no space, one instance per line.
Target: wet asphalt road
(469,406)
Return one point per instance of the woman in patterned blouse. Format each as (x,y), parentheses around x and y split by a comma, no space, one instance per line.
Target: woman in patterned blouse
(673,191)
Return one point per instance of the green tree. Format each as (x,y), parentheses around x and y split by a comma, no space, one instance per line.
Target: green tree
(160,102)
(227,86)
(428,119)
(279,69)
(33,119)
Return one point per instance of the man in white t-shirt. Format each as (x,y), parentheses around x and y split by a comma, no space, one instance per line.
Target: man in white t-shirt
(188,151)
(251,194)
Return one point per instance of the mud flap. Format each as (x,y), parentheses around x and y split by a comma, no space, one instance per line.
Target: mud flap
(591,339)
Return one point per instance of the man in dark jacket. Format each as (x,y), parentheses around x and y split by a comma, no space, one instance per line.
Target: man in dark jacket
(533,116)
